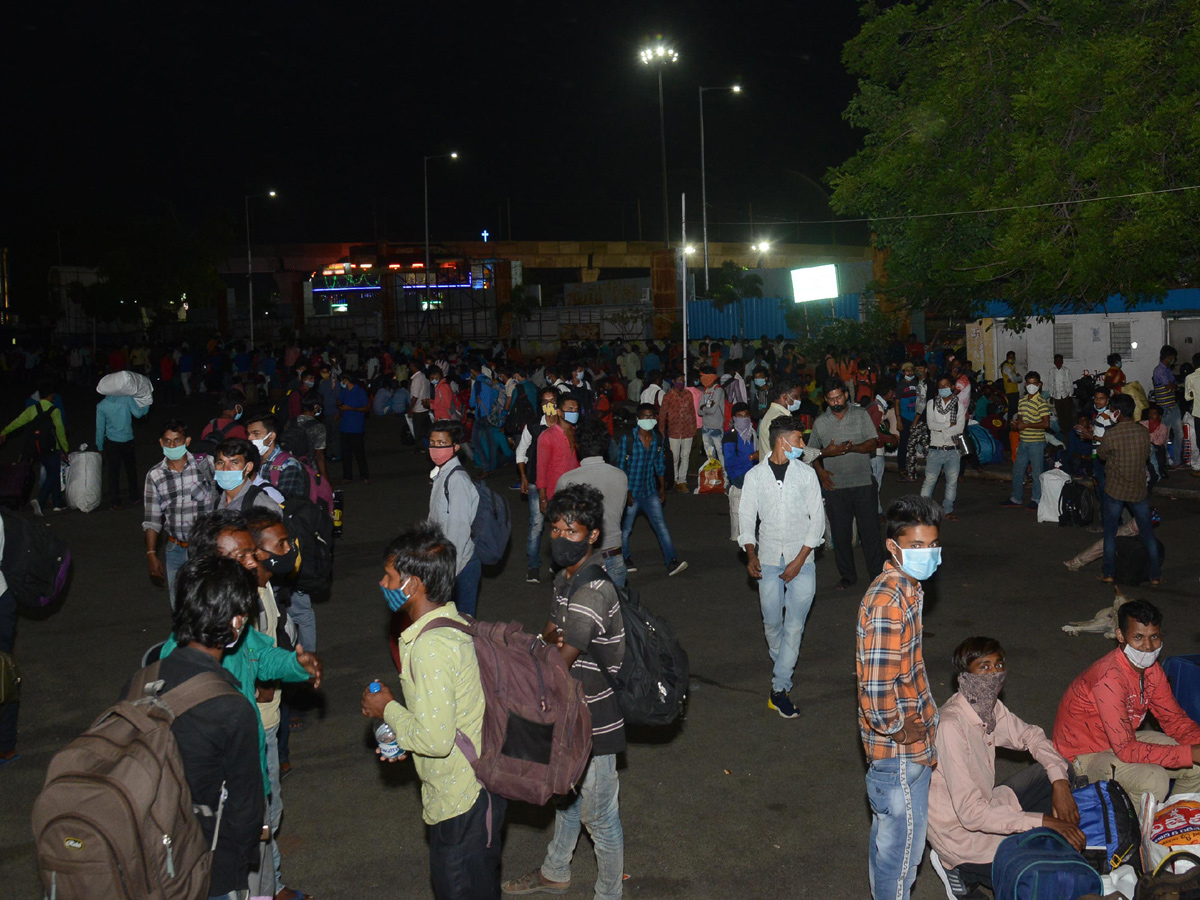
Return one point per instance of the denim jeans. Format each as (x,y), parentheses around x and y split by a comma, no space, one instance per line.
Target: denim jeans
(533,543)
(711,439)
(652,507)
(939,460)
(1173,421)
(1032,454)
(898,792)
(300,608)
(1110,515)
(174,557)
(615,567)
(275,804)
(51,494)
(466,586)
(596,808)
(785,608)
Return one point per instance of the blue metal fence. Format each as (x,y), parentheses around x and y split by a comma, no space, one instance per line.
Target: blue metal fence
(761,315)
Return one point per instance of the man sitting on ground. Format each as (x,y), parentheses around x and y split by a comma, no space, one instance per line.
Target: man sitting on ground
(969,814)
(1097,721)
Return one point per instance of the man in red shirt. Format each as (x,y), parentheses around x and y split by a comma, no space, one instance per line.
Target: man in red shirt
(1097,721)
(556,448)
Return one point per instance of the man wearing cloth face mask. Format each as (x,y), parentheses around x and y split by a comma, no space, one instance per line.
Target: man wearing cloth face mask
(712,414)
(453,501)
(179,492)
(897,718)
(781,504)
(1098,719)
(969,814)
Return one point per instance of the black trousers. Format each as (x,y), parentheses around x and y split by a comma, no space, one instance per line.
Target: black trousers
(421,422)
(8,637)
(462,865)
(846,506)
(354,446)
(118,454)
(1034,793)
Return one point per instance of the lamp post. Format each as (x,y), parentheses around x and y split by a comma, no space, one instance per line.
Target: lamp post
(250,261)
(737,89)
(660,55)
(427,159)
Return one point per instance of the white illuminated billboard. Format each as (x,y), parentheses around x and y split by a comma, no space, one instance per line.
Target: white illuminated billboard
(814,283)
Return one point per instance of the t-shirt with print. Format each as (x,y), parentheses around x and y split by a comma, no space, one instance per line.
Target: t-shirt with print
(590,620)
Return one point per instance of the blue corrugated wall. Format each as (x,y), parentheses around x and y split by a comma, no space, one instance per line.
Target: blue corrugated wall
(763,315)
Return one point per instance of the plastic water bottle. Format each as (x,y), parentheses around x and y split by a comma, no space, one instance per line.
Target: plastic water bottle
(384,736)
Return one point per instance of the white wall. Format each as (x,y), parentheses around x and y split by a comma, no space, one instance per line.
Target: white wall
(1090,332)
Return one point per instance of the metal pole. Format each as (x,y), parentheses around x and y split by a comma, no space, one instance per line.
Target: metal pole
(662,136)
(426,169)
(683,254)
(703,194)
(250,271)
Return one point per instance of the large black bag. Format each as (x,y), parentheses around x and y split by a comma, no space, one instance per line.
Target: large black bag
(1076,505)
(207,446)
(310,529)
(1133,562)
(41,436)
(652,684)
(36,561)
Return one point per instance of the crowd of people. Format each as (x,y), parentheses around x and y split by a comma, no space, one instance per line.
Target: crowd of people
(235,516)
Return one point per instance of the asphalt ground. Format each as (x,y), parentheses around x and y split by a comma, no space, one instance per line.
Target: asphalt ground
(734,802)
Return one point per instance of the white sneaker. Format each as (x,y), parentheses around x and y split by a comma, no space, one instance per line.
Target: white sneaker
(36,507)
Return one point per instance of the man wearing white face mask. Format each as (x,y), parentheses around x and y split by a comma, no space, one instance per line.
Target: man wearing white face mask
(1098,719)
(1031,423)
(279,467)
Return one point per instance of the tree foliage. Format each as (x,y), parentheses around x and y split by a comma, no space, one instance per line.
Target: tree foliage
(734,282)
(977,104)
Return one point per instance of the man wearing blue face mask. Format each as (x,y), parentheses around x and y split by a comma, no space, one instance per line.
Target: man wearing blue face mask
(946,420)
(236,472)
(897,717)
(781,504)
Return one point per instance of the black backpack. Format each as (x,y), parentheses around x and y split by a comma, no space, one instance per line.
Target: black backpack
(40,435)
(294,439)
(311,529)
(1132,565)
(1076,505)
(207,446)
(652,685)
(36,561)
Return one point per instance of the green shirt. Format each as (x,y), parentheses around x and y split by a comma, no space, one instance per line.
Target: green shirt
(443,695)
(1033,409)
(32,412)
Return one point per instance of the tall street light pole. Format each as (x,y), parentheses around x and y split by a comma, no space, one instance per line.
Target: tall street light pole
(250,261)
(737,89)
(660,55)
(427,159)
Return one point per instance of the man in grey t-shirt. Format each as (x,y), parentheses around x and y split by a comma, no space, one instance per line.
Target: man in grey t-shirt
(846,437)
(591,444)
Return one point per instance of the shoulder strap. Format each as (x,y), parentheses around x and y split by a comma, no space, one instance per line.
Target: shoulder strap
(446,482)
(593,572)
(444,622)
(197,690)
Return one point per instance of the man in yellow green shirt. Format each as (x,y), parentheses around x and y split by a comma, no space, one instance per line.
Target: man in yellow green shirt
(442,696)
(1031,423)
(45,441)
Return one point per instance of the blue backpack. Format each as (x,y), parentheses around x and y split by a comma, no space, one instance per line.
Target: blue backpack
(492,526)
(1109,821)
(1041,865)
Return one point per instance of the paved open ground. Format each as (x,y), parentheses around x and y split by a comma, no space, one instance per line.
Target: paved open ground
(735,802)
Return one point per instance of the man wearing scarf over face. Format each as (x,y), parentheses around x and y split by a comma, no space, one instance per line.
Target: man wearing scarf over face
(969,814)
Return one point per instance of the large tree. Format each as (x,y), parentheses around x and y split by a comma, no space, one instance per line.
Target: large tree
(977,104)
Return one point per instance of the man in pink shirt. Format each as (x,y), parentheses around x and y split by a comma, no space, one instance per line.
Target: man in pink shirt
(556,448)
(969,814)
(1097,721)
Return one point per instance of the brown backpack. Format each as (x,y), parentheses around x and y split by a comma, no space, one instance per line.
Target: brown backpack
(115,817)
(537,730)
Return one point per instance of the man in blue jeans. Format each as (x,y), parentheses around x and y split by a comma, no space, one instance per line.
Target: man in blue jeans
(781,504)
(1031,423)
(640,456)
(527,468)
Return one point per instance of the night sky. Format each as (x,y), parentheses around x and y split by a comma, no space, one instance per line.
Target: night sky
(123,111)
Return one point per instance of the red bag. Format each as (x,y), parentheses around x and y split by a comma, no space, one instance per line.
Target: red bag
(711,478)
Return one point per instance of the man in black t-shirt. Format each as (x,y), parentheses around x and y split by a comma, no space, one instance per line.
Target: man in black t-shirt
(586,625)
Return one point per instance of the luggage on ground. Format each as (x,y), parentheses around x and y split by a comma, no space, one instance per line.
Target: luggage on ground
(1164,884)
(492,526)
(36,561)
(537,730)
(1133,562)
(1053,482)
(1041,865)
(1169,827)
(1109,821)
(115,816)
(652,684)
(1183,673)
(1076,505)
(711,478)
(16,481)
(84,487)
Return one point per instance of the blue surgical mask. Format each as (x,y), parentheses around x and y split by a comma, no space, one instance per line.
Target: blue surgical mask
(237,415)
(760,382)
(228,479)
(175,452)
(395,597)
(920,562)
(793,406)
(647,424)
(944,392)
(793,452)
(571,417)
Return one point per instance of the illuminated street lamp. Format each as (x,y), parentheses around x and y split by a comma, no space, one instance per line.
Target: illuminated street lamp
(427,159)
(250,261)
(661,55)
(737,89)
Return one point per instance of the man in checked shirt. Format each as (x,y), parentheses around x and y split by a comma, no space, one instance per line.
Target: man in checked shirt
(897,717)
(179,492)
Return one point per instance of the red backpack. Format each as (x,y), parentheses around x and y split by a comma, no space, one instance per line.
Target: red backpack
(319,492)
(537,730)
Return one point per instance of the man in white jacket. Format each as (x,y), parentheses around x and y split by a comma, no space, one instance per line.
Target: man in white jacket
(946,420)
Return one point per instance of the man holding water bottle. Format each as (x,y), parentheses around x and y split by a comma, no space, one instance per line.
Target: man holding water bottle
(443,695)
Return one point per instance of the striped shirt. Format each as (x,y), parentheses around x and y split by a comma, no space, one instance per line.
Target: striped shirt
(176,501)
(1164,386)
(589,615)
(892,683)
(1033,409)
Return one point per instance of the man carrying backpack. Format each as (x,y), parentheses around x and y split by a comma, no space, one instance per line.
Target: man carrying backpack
(227,425)
(587,626)
(46,442)
(443,696)
(453,502)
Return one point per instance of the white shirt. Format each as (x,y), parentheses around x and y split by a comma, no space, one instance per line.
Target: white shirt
(525,441)
(652,395)
(941,432)
(1191,391)
(791,511)
(420,390)
(1060,383)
